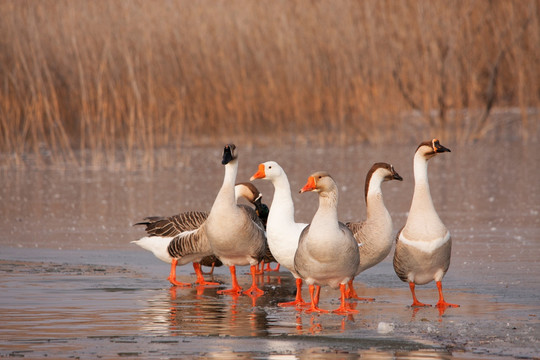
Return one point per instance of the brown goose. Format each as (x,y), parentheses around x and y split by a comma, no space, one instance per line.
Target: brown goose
(176,239)
(423,245)
(235,232)
(375,234)
(249,191)
(327,251)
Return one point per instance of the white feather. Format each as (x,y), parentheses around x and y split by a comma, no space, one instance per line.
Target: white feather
(425,246)
(157,245)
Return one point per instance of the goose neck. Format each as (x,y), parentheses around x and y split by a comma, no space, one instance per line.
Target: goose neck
(422,200)
(282,189)
(375,205)
(328,206)
(227,189)
(420,170)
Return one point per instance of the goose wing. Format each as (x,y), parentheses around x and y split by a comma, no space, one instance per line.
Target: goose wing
(256,227)
(173,225)
(190,243)
(253,216)
(355,227)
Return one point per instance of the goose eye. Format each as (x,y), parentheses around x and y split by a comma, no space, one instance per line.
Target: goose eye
(270,167)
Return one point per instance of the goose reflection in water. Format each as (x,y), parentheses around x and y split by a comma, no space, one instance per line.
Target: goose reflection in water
(202,311)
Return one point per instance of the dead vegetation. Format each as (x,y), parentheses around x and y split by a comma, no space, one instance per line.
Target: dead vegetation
(106,82)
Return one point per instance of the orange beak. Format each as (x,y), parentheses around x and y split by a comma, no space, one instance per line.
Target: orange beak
(310,186)
(259,174)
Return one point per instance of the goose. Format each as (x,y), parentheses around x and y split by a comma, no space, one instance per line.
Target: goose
(282,232)
(248,191)
(172,240)
(423,245)
(327,251)
(375,234)
(235,233)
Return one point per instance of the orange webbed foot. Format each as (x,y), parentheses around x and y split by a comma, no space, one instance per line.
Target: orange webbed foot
(297,303)
(316,309)
(254,290)
(444,304)
(232,291)
(417,303)
(207,283)
(178,283)
(345,310)
(356,297)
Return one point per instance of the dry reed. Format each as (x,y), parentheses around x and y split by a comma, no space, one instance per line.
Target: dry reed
(108,82)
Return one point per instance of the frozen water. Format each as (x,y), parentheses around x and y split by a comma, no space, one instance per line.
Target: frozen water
(65,249)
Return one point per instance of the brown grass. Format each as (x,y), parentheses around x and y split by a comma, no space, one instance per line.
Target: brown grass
(106,82)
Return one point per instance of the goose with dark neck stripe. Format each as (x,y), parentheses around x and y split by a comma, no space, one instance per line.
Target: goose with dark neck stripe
(235,232)
(374,235)
(178,239)
(423,245)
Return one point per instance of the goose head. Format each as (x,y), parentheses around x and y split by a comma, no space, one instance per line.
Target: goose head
(319,182)
(429,149)
(385,171)
(249,192)
(381,172)
(268,170)
(229,154)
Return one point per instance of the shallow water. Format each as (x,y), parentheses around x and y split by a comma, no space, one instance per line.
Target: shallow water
(73,285)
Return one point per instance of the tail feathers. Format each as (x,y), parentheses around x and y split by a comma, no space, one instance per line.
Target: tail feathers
(156,245)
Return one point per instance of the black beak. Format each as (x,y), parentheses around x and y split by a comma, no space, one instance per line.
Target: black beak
(397,176)
(440,149)
(227,154)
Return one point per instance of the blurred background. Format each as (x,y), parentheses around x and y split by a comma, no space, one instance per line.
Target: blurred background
(122,83)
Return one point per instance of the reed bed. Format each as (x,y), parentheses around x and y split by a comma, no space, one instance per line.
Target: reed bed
(103,83)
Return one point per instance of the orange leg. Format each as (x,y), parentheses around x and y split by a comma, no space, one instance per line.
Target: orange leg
(236,289)
(415,300)
(298,301)
(200,277)
(317,294)
(211,270)
(253,289)
(314,292)
(442,303)
(344,308)
(172,275)
(351,293)
(269,267)
(260,268)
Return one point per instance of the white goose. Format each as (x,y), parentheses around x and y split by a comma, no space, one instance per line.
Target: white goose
(178,239)
(235,233)
(375,234)
(327,252)
(423,245)
(282,231)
